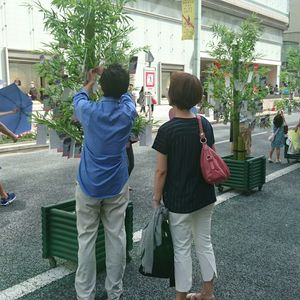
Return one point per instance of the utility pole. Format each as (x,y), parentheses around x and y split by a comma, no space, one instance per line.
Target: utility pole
(196,64)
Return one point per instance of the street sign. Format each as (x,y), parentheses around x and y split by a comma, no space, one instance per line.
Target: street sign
(150,79)
(149,57)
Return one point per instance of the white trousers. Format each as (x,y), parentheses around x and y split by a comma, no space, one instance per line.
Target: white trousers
(184,228)
(111,211)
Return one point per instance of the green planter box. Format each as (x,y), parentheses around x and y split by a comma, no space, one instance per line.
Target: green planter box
(245,174)
(59,233)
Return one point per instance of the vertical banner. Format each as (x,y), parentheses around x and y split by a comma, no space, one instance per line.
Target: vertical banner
(188,19)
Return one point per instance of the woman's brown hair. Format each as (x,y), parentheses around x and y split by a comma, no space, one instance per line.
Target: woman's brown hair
(185,90)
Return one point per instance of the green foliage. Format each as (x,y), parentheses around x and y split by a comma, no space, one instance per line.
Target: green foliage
(229,42)
(291,74)
(294,59)
(234,78)
(229,45)
(287,103)
(25,137)
(86,33)
(139,124)
(62,121)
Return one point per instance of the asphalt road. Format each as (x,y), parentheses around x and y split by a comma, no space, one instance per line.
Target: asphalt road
(256,238)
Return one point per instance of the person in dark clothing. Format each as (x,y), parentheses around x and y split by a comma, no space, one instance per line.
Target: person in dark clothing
(132,139)
(33,93)
(142,100)
(179,183)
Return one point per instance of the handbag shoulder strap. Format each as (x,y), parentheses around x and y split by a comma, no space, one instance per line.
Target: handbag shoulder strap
(203,139)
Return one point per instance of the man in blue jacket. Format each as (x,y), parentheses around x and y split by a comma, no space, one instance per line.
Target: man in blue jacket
(102,188)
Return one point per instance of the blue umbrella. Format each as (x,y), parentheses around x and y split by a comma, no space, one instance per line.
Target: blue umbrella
(12,97)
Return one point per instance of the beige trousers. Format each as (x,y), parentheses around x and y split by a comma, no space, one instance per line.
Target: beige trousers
(111,212)
(185,227)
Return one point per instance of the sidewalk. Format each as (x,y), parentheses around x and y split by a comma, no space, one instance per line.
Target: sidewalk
(160,116)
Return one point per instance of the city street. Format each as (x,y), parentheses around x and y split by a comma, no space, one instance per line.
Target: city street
(255,237)
(241,57)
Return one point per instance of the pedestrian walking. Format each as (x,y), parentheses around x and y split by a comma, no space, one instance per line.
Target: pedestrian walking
(278,138)
(151,105)
(142,100)
(153,102)
(33,93)
(102,187)
(7,198)
(181,187)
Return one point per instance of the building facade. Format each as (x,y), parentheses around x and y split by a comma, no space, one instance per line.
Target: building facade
(157,25)
(291,37)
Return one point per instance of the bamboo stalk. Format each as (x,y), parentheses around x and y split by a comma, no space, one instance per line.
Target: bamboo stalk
(241,151)
(235,111)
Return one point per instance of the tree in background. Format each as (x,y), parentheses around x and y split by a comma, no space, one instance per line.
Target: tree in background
(290,78)
(234,79)
(86,33)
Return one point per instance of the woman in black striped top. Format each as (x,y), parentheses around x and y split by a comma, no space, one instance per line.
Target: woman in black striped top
(179,183)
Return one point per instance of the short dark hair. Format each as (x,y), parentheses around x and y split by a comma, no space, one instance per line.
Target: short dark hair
(17,82)
(114,81)
(185,90)
(278,120)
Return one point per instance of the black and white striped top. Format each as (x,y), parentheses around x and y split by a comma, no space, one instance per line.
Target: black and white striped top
(185,190)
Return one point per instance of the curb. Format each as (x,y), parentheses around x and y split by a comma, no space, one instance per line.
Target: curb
(22,148)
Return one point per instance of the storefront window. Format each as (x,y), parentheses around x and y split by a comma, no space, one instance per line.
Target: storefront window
(26,72)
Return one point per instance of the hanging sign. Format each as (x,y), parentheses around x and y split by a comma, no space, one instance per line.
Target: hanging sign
(149,79)
(188,19)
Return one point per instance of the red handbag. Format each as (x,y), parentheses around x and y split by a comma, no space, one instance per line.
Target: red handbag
(213,167)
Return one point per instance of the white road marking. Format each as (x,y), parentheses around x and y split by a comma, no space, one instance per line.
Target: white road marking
(226,196)
(255,134)
(282,172)
(223,197)
(26,287)
(19,290)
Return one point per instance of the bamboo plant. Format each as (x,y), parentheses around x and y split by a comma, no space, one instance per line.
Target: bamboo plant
(234,78)
(85,34)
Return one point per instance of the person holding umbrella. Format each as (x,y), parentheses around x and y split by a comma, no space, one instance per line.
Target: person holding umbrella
(7,113)
(7,198)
